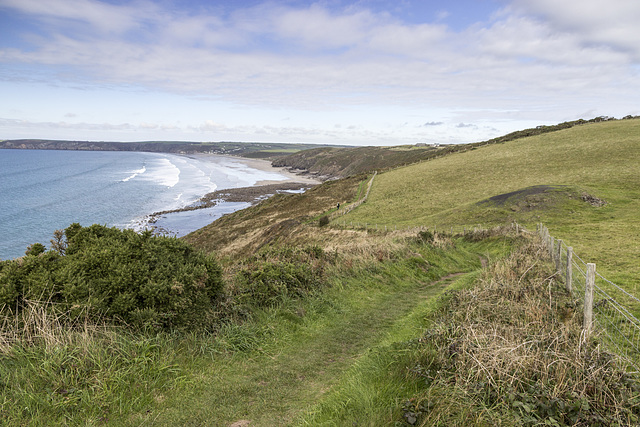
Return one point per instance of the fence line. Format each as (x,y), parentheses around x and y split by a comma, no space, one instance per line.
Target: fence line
(345,210)
(604,315)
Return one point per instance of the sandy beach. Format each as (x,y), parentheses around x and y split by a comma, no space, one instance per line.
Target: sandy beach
(265,165)
(224,201)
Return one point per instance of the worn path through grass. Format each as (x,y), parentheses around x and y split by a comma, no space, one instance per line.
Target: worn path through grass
(285,377)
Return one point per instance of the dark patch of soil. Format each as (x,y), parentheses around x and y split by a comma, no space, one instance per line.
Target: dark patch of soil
(514,196)
(540,197)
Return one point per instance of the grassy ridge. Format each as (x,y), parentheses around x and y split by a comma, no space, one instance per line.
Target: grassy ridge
(599,159)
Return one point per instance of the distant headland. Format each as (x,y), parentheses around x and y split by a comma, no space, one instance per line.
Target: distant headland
(244,149)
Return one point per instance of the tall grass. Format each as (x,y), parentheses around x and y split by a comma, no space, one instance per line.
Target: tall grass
(53,371)
(510,350)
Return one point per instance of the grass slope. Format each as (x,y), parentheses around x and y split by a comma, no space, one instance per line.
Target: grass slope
(356,353)
(599,159)
(283,363)
(280,217)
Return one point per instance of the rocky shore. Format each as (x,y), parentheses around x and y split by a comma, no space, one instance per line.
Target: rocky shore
(252,195)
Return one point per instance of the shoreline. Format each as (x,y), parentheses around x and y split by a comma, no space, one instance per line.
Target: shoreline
(242,197)
(265,166)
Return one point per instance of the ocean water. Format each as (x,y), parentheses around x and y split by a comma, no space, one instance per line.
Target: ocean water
(44,190)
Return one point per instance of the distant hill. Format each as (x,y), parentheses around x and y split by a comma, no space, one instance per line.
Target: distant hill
(343,162)
(261,150)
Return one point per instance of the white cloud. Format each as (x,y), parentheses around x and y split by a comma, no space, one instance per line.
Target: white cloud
(316,27)
(92,14)
(610,23)
(535,59)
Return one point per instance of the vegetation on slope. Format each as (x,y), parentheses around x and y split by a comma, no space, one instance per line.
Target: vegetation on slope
(282,217)
(577,166)
(143,280)
(59,367)
(347,161)
(510,351)
(319,325)
(343,162)
(502,347)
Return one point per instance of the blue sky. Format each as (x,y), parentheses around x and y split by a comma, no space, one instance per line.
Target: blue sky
(369,72)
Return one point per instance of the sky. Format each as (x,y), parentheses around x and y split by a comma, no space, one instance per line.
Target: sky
(367,72)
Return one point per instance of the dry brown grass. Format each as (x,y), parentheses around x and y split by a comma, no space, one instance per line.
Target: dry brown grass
(38,324)
(512,345)
(278,218)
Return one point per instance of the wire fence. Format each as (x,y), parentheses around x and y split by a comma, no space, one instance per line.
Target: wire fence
(608,308)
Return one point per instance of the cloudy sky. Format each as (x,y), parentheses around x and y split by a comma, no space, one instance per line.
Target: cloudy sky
(374,72)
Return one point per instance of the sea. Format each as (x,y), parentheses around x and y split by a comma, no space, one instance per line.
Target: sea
(46,190)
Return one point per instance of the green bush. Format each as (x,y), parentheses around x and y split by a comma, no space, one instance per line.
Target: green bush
(425,237)
(138,278)
(275,274)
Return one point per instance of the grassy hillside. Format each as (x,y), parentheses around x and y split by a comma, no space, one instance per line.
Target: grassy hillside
(282,218)
(320,325)
(594,160)
(346,161)
(343,162)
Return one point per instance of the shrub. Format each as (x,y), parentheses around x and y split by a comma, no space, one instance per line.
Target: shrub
(142,279)
(425,236)
(274,274)
(35,249)
(323,221)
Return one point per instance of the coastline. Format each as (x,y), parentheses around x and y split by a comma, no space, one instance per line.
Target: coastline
(211,206)
(265,166)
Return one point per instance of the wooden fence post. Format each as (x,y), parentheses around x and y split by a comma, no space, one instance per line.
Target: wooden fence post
(559,256)
(551,245)
(587,324)
(569,277)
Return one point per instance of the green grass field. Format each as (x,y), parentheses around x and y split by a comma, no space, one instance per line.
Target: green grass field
(600,159)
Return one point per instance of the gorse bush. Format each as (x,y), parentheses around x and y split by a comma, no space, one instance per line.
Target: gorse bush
(273,274)
(141,279)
